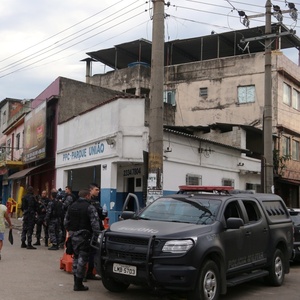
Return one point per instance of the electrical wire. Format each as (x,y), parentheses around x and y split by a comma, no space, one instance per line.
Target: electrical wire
(64,41)
(62,31)
(121,22)
(59,43)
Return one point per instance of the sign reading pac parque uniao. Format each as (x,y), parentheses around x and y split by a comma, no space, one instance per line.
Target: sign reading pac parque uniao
(81,154)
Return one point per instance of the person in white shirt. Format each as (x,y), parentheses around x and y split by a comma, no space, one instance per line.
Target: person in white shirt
(3,216)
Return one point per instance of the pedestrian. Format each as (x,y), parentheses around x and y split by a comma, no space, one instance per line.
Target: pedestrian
(3,216)
(29,209)
(53,219)
(95,201)
(40,221)
(81,221)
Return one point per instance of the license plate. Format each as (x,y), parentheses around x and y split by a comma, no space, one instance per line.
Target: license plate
(124,269)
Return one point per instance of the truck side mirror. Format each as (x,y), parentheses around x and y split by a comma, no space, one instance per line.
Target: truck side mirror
(126,215)
(234,223)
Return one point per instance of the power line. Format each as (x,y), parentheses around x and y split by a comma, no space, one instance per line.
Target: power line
(128,19)
(64,30)
(64,41)
(59,44)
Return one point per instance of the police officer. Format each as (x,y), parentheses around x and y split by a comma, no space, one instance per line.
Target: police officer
(42,206)
(53,219)
(29,209)
(95,201)
(81,221)
(67,200)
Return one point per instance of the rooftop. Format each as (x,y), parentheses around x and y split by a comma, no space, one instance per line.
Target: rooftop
(197,49)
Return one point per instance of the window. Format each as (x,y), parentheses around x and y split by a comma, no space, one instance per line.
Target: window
(8,146)
(296,99)
(227,182)
(4,117)
(285,145)
(254,187)
(252,211)
(193,179)
(295,150)
(287,94)
(18,136)
(169,97)
(246,94)
(203,92)
(232,210)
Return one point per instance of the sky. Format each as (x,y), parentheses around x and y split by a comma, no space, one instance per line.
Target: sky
(44,39)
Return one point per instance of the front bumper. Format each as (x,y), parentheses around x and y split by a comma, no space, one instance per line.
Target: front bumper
(171,277)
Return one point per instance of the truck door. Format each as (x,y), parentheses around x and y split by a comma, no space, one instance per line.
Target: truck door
(256,233)
(234,239)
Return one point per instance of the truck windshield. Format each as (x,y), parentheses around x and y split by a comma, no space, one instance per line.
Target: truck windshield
(182,210)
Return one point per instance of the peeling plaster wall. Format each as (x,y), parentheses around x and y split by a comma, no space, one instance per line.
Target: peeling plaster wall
(221,77)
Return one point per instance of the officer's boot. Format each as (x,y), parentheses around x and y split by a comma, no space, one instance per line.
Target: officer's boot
(53,247)
(46,243)
(29,246)
(23,245)
(78,286)
(37,243)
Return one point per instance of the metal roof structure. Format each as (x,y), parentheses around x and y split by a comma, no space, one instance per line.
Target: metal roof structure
(197,49)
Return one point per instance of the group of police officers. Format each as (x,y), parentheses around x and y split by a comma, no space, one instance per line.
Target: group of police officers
(63,212)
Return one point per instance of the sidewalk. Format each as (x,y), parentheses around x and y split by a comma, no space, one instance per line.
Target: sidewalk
(36,274)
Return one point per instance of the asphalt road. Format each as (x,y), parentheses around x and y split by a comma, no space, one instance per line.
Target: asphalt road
(36,274)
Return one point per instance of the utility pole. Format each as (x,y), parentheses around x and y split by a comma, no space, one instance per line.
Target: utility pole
(267,180)
(267,129)
(155,163)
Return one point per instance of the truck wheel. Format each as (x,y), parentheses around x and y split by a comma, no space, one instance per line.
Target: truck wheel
(113,285)
(208,287)
(276,270)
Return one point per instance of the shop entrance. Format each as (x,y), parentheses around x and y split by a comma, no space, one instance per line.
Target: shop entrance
(81,178)
(130,189)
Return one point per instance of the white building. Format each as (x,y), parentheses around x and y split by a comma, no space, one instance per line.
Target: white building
(108,144)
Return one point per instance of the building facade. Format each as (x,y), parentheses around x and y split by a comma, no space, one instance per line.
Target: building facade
(110,147)
(216,86)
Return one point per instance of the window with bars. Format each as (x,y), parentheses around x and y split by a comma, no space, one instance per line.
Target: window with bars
(192,179)
(227,182)
(203,92)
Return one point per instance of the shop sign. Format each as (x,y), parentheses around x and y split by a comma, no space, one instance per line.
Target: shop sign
(83,153)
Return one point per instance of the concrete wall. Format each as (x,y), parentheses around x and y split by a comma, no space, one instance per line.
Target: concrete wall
(135,77)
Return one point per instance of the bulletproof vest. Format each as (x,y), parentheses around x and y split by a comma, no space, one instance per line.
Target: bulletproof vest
(79,217)
(57,209)
(29,203)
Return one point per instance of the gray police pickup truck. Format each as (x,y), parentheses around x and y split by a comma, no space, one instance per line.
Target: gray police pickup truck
(198,244)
